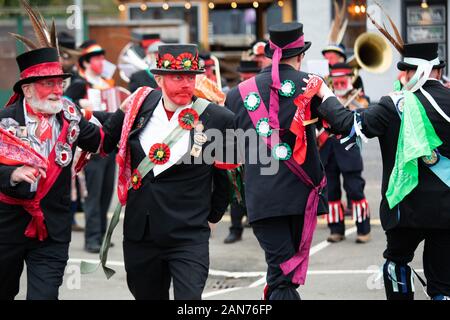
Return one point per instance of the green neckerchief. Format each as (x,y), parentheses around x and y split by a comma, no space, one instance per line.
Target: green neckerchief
(417,138)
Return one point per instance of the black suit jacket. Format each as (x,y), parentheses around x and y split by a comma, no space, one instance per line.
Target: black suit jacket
(141,79)
(14,219)
(180,200)
(282,194)
(428,205)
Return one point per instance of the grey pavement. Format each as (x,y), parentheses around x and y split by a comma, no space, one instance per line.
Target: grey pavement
(343,271)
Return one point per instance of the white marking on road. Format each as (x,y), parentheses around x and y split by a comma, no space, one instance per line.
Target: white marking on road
(236,275)
(218,292)
(322,245)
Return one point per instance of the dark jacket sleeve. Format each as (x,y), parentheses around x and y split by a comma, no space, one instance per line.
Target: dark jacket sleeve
(19,191)
(375,119)
(220,195)
(102,116)
(113,131)
(89,139)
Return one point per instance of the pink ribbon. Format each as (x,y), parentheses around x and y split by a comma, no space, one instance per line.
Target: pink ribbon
(274,105)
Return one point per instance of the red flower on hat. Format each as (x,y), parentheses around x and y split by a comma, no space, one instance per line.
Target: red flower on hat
(136,179)
(167,61)
(188,118)
(186,61)
(159,153)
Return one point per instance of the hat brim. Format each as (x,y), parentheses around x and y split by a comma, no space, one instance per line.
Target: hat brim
(343,55)
(18,86)
(166,71)
(90,55)
(402,66)
(255,70)
(287,53)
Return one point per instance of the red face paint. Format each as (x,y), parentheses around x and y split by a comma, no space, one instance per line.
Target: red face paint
(96,63)
(51,88)
(333,58)
(179,88)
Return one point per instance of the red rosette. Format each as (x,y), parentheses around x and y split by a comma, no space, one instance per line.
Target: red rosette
(136,180)
(167,61)
(186,61)
(159,153)
(188,119)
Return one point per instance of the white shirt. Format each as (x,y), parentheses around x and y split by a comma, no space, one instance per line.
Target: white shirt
(157,129)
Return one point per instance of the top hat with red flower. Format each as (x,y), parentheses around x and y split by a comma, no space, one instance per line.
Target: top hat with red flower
(178,58)
(89,49)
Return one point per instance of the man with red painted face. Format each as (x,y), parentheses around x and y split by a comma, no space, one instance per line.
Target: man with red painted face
(100,171)
(162,137)
(39,132)
(348,163)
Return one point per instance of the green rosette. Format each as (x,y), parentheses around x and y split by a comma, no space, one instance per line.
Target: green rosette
(287,89)
(282,152)
(252,101)
(263,128)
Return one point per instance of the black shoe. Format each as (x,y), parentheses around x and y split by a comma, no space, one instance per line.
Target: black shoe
(92,248)
(232,238)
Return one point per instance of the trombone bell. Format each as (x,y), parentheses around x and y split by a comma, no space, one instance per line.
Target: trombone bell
(372,53)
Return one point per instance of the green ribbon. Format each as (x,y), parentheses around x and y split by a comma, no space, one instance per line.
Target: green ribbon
(417,138)
(144,168)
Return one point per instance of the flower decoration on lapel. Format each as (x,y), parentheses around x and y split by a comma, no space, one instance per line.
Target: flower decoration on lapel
(74,132)
(186,61)
(136,179)
(70,111)
(63,154)
(188,119)
(159,153)
(167,61)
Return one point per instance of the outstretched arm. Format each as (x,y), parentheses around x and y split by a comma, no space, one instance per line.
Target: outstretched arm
(374,120)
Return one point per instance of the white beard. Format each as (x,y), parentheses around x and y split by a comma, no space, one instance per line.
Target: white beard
(46,107)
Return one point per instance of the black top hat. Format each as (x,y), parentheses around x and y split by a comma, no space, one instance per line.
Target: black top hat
(425,51)
(248,67)
(66,40)
(177,58)
(39,64)
(283,34)
(89,49)
(145,36)
(341,70)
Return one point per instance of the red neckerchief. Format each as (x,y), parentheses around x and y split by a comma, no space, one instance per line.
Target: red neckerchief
(45,129)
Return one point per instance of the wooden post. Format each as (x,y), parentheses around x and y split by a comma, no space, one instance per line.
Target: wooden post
(287,11)
(204,25)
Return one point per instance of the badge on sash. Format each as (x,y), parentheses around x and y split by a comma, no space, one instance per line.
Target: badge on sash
(200,139)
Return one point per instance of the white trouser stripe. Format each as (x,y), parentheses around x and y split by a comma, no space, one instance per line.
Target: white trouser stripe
(336,212)
(391,272)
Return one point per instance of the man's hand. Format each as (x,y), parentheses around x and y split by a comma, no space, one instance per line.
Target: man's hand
(324,92)
(27,174)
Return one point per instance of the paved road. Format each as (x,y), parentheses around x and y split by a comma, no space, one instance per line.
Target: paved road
(337,271)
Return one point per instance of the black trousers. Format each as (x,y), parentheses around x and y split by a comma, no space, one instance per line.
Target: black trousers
(353,185)
(279,237)
(151,267)
(237,213)
(100,174)
(46,262)
(401,245)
